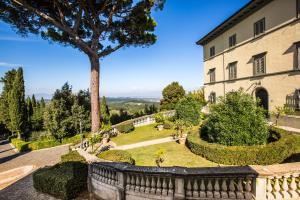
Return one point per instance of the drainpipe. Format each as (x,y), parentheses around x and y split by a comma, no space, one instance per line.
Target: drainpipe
(223,73)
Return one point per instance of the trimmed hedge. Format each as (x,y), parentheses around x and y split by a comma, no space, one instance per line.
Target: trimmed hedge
(65,180)
(35,145)
(125,127)
(117,156)
(274,152)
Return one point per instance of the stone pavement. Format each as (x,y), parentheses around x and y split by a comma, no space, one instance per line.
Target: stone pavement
(296,130)
(146,143)
(10,160)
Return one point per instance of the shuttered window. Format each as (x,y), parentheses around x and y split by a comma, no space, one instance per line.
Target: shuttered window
(232,70)
(232,40)
(259,27)
(259,64)
(212,51)
(212,75)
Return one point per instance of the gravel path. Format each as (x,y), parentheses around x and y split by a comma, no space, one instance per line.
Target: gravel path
(143,144)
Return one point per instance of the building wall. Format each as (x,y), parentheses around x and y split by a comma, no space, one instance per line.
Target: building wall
(282,31)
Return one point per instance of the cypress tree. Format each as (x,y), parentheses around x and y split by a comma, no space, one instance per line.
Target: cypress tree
(33,100)
(104,111)
(17,105)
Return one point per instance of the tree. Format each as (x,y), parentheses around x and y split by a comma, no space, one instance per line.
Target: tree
(171,95)
(188,109)
(17,105)
(33,100)
(199,96)
(78,116)
(7,80)
(95,27)
(105,117)
(236,120)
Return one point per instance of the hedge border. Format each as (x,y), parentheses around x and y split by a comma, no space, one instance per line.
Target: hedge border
(274,152)
(23,146)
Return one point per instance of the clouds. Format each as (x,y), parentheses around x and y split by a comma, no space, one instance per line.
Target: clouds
(10,65)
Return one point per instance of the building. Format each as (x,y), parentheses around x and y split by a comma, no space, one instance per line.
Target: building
(257,49)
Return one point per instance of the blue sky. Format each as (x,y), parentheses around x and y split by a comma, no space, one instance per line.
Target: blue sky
(133,71)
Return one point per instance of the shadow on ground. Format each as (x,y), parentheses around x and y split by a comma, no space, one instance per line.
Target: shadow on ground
(294,158)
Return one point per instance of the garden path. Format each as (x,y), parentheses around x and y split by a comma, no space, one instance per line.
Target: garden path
(146,143)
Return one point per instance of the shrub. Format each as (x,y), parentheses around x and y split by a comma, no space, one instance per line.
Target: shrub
(117,156)
(65,180)
(21,145)
(168,125)
(159,118)
(43,144)
(72,140)
(125,127)
(274,152)
(72,156)
(236,121)
(188,109)
(11,137)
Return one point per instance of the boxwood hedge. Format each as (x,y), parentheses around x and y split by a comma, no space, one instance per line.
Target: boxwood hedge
(65,180)
(271,153)
(117,156)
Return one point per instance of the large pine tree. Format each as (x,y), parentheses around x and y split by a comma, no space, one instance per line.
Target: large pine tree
(17,105)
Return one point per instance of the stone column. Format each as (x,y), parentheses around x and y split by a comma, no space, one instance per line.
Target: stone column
(179,193)
(121,186)
(260,188)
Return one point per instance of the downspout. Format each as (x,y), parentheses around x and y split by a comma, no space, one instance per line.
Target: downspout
(223,73)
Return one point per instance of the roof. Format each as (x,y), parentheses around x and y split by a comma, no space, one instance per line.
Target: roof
(234,19)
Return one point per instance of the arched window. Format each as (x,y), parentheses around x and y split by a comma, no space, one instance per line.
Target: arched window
(212,97)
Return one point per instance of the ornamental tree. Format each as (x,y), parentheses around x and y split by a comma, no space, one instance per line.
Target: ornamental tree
(172,93)
(95,27)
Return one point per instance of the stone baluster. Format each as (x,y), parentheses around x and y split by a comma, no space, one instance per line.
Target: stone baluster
(202,189)
(188,188)
(285,187)
(109,177)
(153,185)
(142,188)
(147,189)
(217,189)
(128,182)
(170,188)
(277,188)
(105,176)
(209,193)
(132,182)
(232,189)
(137,184)
(240,190)
(195,188)
(164,187)
(269,188)
(248,188)
(158,186)
(293,186)
(224,188)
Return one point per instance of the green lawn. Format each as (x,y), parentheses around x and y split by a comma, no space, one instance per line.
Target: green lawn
(141,134)
(175,155)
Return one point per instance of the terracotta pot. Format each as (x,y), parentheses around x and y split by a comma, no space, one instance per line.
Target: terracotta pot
(160,127)
(182,140)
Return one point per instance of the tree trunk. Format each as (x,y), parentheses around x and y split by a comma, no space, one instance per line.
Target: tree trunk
(95,67)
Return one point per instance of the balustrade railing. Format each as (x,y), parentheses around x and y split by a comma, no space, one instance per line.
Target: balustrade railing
(124,181)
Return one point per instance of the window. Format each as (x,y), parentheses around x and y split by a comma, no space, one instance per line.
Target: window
(232,70)
(232,40)
(259,27)
(212,75)
(298,55)
(212,97)
(212,51)
(259,64)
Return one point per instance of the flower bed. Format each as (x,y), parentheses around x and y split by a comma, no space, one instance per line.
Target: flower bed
(273,152)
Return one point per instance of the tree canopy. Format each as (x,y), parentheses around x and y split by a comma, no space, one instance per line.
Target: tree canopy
(172,93)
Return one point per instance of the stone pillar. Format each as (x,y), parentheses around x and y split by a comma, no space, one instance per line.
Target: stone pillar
(179,193)
(260,188)
(121,186)
(89,182)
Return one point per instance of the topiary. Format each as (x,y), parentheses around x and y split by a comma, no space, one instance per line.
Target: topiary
(236,120)
(117,156)
(188,109)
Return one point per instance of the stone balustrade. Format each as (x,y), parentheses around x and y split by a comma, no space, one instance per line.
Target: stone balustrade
(124,181)
(150,119)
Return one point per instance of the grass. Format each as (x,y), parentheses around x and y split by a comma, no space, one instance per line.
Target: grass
(141,134)
(175,155)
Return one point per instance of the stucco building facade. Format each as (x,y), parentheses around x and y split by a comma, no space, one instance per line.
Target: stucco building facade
(257,49)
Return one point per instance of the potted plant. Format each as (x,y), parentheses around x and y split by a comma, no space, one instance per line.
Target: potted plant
(160,120)
(182,127)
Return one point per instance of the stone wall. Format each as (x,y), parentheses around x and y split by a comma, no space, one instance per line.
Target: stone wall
(123,181)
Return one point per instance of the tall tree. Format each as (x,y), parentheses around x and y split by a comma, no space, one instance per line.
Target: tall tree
(17,105)
(96,27)
(171,95)
(104,111)
(33,101)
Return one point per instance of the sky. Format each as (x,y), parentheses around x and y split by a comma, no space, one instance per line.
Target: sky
(131,71)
